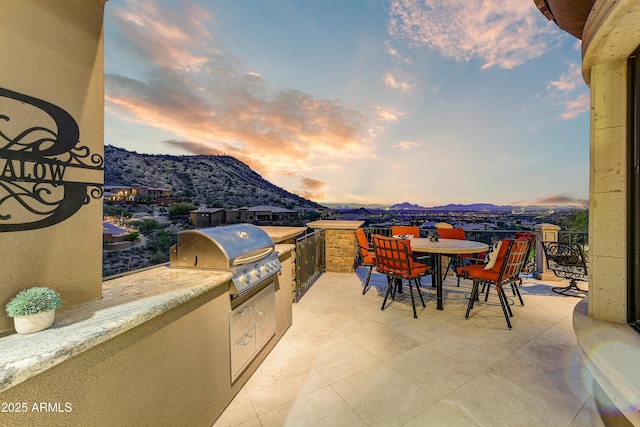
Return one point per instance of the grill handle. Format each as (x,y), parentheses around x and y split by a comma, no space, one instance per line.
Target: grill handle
(247,259)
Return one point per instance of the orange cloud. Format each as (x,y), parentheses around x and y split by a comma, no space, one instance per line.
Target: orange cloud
(505,34)
(161,36)
(561,199)
(195,91)
(386,114)
(406,145)
(569,80)
(576,107)
(313,189)
(399,82)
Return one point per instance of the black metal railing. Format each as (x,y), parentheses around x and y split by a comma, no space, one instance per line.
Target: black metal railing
(569,236)
(491,237)
(310,262)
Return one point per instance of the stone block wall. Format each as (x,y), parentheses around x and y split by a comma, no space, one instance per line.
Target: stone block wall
(340,250)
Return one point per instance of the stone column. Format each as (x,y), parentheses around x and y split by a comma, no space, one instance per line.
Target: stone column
(340,248)
(51,149)
(545,233)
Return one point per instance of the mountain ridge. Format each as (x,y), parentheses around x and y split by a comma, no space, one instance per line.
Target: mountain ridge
(211,180)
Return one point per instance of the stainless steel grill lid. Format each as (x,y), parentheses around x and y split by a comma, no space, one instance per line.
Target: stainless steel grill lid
(226,247)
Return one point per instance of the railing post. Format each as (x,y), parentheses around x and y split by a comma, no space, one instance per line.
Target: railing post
(340,249)
(544,233)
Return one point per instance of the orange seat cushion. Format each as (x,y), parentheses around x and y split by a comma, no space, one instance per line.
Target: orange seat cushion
(477,271)
(370,258)
(452,233)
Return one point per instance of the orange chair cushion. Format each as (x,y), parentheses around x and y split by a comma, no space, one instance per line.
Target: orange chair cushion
(399,267)
(402,230)
(452,233)
(477,271)
(370,258)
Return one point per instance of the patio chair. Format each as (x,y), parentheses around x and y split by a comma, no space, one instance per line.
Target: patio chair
(567,261)
(395,260)
(404,230)
(530,264)
(510,258)
(366,255)
(456,260)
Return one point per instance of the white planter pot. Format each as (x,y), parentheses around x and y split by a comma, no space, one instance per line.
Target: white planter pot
(34,322)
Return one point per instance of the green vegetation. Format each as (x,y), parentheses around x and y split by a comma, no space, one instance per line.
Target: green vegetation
(148,226)
(577,220)
(160,245)
(311,215)
(181,209)
(132,237)
(33,301)
(159,257)
(116,211)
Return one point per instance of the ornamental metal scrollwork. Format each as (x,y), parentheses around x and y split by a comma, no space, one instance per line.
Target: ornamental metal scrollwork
(45,175)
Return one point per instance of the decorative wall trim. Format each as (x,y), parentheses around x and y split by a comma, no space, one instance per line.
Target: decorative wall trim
(43,171)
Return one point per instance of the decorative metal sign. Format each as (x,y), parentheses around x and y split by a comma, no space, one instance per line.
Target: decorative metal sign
(45,177)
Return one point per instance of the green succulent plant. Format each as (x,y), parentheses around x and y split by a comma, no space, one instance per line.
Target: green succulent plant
(33,301)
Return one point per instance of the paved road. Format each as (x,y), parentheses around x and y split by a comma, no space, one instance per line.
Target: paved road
(111,228)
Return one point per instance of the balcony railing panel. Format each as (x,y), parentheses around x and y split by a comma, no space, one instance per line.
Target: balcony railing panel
(491,237)
(310,261)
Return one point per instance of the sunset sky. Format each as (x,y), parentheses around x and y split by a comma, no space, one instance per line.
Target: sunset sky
(361,101)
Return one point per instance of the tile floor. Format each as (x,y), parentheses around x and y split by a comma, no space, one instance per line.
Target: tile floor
(344,362)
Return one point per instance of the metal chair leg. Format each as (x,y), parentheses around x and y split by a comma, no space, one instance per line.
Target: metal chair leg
(472,297)
(569,290)
(420,293)
(516,292)
(389,290)
(413,303)
(505,306)
(366,284)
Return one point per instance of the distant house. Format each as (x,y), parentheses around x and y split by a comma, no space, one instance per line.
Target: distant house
(153,193)
(117,193)
(134,192)
(265,215)
(213,217)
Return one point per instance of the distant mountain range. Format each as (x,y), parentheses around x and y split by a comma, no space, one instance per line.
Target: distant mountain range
(473,207)
(226,182)
(218,181)
(406,206)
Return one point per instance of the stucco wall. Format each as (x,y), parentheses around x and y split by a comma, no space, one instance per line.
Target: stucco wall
(608,193)
(173,370)
(611,35)
(163,372)
(53,51)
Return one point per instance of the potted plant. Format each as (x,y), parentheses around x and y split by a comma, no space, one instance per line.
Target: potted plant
(33,309)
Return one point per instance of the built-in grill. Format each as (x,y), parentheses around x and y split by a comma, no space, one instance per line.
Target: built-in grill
(244,249)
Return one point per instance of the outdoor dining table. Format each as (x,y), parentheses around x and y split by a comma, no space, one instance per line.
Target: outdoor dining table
(445,247)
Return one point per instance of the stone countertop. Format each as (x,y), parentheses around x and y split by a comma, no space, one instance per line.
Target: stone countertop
(281,234)
(127,302)
(335,225)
